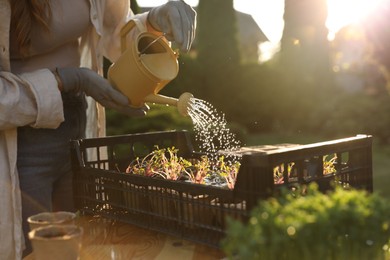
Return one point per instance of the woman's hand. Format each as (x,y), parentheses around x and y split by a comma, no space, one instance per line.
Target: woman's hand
(87,81)
(177,20)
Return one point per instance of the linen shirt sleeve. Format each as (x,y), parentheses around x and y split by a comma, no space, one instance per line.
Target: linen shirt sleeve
(117,14)
(30,99)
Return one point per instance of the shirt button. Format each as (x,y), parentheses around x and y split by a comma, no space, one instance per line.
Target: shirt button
(94,16)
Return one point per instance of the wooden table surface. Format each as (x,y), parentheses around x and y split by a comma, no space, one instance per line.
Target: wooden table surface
(106,239)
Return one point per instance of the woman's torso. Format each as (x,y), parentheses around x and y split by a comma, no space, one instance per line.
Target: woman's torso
(60,46)
(57,48)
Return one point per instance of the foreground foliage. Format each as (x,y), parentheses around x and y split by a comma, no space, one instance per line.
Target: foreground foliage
(343,224)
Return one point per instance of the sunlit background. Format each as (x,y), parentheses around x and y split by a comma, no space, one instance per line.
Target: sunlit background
(310,90)
(269,16)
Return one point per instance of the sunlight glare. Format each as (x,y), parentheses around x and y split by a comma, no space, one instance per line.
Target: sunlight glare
(268,50)
(268,14)
(342,13)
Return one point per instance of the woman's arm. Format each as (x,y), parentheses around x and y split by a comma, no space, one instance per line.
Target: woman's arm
(116,15)
(30,99)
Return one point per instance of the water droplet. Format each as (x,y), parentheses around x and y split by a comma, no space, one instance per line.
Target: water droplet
(210,128)
(291,231)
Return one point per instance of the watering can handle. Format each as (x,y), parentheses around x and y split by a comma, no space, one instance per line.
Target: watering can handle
(127,28)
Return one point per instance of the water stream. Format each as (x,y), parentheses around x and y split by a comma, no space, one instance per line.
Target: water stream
(210,127)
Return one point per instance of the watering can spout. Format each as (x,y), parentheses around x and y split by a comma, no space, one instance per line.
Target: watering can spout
(182,103)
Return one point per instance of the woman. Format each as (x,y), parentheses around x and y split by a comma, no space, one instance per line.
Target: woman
(43,45)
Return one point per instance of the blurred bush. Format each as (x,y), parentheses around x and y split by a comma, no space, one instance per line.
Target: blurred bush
(344,224)
(159,118)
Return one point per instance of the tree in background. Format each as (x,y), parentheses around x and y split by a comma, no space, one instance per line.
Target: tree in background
(304,64)
(218,53)
(377,31)
(135,6)
(216,35)
(304,44)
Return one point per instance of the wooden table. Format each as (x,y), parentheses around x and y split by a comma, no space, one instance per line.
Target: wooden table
(107,239)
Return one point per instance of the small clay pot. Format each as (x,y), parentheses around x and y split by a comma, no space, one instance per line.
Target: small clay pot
(59,242)
(51,218)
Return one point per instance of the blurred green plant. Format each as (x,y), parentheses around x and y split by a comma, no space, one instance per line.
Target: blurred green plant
(343,224)
(159,118)
(359,113)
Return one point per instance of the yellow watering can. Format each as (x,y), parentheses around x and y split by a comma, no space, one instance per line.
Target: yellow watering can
(144,68)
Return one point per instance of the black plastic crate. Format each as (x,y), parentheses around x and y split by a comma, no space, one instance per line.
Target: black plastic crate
(198,212)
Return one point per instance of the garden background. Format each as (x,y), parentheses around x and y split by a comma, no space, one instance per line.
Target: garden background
(306,93)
